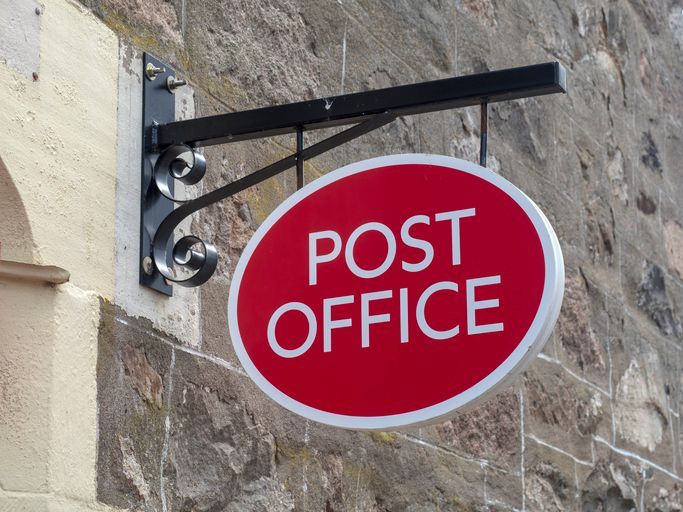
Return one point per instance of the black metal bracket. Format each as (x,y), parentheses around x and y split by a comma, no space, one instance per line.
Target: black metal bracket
(169,147)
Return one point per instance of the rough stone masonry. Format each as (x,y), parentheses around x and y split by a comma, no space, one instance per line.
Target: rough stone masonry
(593,425)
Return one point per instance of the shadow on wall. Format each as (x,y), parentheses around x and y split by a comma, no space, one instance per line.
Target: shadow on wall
(16,239)
(27,348)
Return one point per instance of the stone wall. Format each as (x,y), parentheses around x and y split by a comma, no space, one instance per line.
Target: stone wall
(592,426)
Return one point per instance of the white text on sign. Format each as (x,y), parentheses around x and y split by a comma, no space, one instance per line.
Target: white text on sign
(330,323)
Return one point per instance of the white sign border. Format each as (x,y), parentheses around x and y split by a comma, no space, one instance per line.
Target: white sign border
(520,358)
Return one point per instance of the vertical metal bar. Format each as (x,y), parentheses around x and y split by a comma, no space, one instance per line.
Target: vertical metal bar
(299,158)
(483,132)
(158,106)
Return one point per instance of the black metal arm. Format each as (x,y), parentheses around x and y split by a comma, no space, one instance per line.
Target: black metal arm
(462,91)
(169,155)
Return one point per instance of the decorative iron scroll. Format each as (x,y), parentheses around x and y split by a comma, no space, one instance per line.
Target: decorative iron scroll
(186,165)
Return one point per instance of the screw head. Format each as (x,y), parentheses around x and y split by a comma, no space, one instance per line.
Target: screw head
(38,11)
(173,83)
(151,71)
(147,265)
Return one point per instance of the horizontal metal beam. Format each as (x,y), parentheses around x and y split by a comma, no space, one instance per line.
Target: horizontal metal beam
(462,91)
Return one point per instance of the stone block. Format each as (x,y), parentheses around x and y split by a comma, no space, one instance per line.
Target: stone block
(652,297)
(549,479)
(583,329)
(614,482)
(673,243)
(658,296)
(489,431)
(564,411)
(602,240)
(563,212)
(134,385)
(215,336)
(526,127)
(503,489)
(473,43)
(649,236)
(230,444)
(650,292)
(667,132)
(157,25)
(589,112)
(646,390)
(422,35)
(261,53)
(570,162)
(661,492)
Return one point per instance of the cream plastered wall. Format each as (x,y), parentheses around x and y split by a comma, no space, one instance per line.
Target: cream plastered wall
(58,137)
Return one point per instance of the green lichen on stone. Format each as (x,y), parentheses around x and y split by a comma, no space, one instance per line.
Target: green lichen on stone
(121,27)
(461,506)
(140,425)
(297,454)
(106,345)
(312,171)
(390,438)
(265,197)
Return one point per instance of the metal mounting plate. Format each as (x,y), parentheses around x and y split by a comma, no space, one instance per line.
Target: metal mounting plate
(158,107)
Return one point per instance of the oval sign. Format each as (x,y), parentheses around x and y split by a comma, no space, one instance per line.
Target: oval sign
(394,291)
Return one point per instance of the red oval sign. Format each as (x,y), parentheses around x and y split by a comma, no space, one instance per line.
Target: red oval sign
(394,291)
